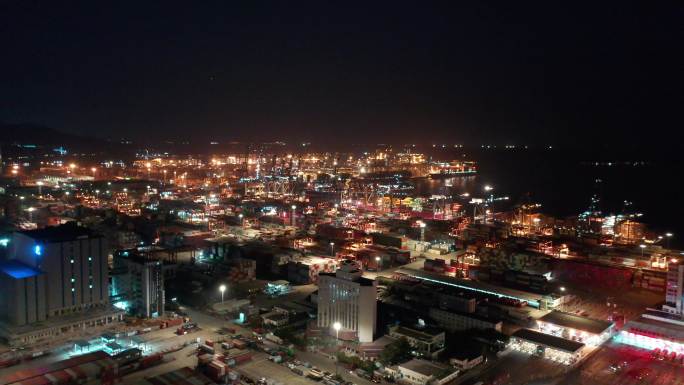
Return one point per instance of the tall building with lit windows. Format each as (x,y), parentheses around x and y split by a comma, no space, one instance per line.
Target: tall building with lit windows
(56,281)
(674,292)
(138,284)
(348,298)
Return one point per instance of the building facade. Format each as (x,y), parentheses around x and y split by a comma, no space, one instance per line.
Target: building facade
(55,281)
(349,299)
(74,261)
(673,290)
(138,284)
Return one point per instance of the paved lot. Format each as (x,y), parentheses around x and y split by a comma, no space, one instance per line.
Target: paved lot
(596,369)
(516,368)
(324,363)
(260,367)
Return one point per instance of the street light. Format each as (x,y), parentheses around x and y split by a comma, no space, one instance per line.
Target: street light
(667,239)
(489,188)
(222,289)
(292,220)
(332,248)
(422,231)
(562,289)
(40,188)
(642,247)
(241,221)
(337,326)
(377,261)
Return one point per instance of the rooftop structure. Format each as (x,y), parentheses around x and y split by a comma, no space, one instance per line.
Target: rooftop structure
(426,341)
(67,232)
(422,372)
(576,322)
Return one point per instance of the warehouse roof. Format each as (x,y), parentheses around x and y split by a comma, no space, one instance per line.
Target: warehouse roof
(476,286)
(424,367)
(69,231)
(424,334)
(576,322)
(548,340)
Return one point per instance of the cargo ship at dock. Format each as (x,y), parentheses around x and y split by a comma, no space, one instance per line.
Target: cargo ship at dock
(444,170)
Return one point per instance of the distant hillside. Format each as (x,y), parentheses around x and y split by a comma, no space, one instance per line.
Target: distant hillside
(46,136)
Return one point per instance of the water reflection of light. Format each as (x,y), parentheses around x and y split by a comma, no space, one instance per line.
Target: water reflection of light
(446,186)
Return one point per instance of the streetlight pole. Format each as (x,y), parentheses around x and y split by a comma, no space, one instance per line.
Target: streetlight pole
(562,289)
(332,249)
(667,239)
(337,326)
(422,231)
(642,247)
(222,289)
(488,189)
(292,220)
(377,261)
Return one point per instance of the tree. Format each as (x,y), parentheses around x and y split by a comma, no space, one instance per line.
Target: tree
(396,352)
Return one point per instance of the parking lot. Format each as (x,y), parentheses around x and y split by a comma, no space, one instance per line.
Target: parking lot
(622,364)
(260,367)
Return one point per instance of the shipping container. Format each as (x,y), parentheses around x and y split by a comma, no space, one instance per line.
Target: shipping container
(242,358)
(151,360)
(239,344)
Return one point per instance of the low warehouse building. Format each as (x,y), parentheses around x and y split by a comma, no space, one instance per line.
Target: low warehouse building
(576,328)
(547,346)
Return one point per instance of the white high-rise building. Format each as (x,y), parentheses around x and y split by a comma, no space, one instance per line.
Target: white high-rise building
(674,298)
(348,298)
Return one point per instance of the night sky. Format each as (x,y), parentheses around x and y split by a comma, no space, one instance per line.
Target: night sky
(372,71)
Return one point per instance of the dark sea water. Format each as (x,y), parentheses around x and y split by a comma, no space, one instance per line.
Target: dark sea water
(564,181)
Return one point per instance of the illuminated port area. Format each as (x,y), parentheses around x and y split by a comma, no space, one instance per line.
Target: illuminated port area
(270,264)
(279,193)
